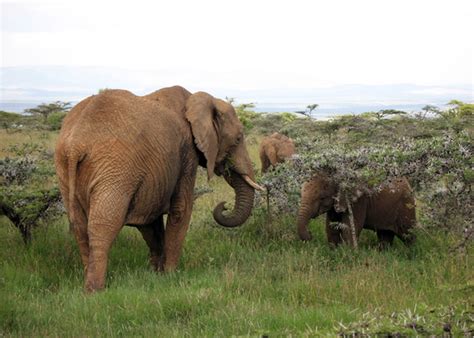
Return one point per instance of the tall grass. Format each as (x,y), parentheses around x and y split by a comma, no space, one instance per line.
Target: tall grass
(254,280)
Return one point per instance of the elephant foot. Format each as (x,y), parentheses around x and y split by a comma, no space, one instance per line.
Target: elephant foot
(383,246)
(408,239)
(93,287)
(305,236)
(157,263)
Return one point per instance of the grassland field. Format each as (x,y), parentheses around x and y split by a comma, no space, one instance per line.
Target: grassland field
(255,280)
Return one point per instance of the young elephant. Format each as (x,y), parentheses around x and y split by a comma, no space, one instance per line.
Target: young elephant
(389,212)
(275,149)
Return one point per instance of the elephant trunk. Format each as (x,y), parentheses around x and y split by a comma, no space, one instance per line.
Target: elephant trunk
(304,215)
(244,198)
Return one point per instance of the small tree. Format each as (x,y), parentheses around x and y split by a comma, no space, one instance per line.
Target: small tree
(45,109)
(309,110)
(428,109)
(244,112)
(311,107)
(230,100)
(387,112)
(28,190)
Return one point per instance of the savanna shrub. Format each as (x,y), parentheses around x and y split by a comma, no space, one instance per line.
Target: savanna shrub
(28,189)
(55,120)
(439,168)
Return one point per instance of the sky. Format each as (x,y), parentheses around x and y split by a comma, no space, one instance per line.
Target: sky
(248,44)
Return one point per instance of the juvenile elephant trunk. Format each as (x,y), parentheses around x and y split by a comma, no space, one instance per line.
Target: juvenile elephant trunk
(244,197)
(304,215)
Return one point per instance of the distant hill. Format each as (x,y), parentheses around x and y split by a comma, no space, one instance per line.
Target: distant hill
(24,87)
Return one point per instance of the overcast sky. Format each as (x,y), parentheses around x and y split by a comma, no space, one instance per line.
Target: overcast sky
(253,44)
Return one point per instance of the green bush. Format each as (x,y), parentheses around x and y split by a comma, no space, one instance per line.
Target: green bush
(55,120)
(28,190)
(245,115)
(361,153)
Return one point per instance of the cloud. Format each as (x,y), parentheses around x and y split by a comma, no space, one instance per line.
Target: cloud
(252,44)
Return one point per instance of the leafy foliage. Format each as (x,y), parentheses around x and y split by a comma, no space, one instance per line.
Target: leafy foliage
(244,113)
(55,120)
(46,109)
(439,167)
(28,192)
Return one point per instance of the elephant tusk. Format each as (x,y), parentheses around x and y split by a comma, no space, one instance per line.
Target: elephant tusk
(252,183)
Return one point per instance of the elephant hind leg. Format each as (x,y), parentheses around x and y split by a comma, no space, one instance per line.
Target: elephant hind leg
(154,236)
(106,218)
(79,228)
(385,238)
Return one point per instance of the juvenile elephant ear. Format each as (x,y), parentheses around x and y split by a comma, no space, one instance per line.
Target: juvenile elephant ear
(200,113)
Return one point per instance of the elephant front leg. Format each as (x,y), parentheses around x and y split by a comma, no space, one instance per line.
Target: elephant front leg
(154,236)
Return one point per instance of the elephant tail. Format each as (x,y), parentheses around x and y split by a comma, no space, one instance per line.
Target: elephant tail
(74,158)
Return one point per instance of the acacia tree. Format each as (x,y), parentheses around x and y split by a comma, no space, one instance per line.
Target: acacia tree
(427,110)
(28,192)
(309,109)
(46,109)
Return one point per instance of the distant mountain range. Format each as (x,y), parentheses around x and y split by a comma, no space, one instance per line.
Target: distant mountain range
(24,87)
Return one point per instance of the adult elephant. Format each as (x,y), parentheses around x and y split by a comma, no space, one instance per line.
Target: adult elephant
(389,211)
(275,149)
(125,159)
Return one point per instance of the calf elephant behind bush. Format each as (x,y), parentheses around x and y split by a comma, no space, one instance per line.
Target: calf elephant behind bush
(390,212)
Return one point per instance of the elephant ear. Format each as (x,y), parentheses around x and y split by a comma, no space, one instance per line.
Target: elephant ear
(340,201)
(272,153)
(200,112)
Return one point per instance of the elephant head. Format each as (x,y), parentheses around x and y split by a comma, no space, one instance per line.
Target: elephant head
(318,196)
(218,135)
(275,149)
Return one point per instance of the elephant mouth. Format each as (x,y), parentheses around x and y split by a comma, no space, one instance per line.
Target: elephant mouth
(221,170)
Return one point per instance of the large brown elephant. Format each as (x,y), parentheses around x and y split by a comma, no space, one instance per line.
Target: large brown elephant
(275,149)
(389,212)
(125,159)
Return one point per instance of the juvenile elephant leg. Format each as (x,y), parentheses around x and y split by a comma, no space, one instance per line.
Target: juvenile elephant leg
(333,235)
(106,219)
(385,238)
(177,223)
(154,236)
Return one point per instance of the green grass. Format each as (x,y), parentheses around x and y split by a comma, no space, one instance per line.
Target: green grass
(254,280)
